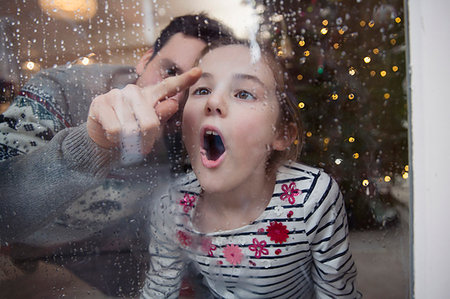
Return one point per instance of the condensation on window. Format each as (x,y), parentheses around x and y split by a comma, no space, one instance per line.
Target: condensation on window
(345,60)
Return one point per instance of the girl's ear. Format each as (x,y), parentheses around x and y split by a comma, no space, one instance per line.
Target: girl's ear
(285,137)
(142,63)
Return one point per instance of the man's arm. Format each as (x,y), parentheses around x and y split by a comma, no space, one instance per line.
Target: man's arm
(43,182)
(44,164)
(38,186)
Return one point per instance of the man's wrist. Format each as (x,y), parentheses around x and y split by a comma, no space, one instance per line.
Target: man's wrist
(81,153)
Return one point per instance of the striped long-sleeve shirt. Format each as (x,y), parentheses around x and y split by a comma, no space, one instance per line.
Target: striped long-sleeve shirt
(297,248)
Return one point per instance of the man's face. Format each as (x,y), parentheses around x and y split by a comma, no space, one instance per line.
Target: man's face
(176,57)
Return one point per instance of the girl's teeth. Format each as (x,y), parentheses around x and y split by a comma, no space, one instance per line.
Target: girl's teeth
(211,133)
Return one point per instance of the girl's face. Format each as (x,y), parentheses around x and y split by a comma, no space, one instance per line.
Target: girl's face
(229,121)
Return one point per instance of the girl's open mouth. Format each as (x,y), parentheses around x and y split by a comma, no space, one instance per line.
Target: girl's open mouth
(213,149)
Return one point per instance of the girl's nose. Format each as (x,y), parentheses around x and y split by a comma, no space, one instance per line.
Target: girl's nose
(216,104)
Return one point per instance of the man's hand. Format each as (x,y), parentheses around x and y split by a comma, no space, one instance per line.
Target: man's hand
(134,115)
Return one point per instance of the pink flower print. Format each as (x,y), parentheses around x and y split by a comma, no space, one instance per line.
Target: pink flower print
(289,192)
(184,238)
(187,202)
(258,247)
(233,254)
(208,247)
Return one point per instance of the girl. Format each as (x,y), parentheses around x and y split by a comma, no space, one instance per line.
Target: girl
(251,221)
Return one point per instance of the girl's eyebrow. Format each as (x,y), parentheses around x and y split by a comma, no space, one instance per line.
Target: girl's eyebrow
(248,77)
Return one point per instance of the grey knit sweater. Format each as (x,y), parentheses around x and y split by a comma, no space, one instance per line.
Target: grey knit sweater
(56,185)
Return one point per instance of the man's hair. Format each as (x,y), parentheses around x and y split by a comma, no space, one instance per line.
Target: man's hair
(197,26)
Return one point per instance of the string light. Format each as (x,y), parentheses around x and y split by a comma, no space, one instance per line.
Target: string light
(355,156)
(308,134)
(373,73)
(334,96)
(341,31)
(301,105)
(376,51)
(352,71)
(398,20)
(365,183)
(326,140)
(280,53)
(362,23)
(395,68)
(393,41)
(30,65)
(351,139)
(367,59)
(336,46)
(371,24)
(296,142)
(325,22)
(387,179)
(387,96)
(301,43)
(405,174)
(299,77)
(306,53)
(324,31)
(85,61)
(351,96)
(383,73)
(338,161)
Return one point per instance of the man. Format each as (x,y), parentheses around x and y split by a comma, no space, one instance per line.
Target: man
(69,145)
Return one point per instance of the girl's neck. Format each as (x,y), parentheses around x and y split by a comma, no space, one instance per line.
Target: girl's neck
(234,208)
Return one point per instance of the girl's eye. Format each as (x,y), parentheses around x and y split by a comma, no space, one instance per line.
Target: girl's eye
(201,91)
(244,95)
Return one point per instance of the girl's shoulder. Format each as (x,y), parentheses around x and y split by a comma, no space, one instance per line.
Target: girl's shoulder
(310,180)
(296,170)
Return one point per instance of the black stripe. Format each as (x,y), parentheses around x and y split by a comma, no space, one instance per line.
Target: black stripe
(302,170)
(334,245)
(292,180)
(322,199)
(332,221)
(331,236)
(325,225)
(311,188)
(300,268)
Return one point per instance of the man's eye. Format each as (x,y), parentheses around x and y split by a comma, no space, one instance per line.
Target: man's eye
(244,95)
(170,72)
(201,91)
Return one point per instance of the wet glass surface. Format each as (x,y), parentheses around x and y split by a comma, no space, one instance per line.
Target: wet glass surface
(347,60)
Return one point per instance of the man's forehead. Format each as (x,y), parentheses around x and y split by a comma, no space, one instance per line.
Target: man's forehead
(181,51)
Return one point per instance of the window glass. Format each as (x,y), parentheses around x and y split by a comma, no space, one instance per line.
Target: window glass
(89,234)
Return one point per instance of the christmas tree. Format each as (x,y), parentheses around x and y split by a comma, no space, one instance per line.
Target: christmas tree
(348,62)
